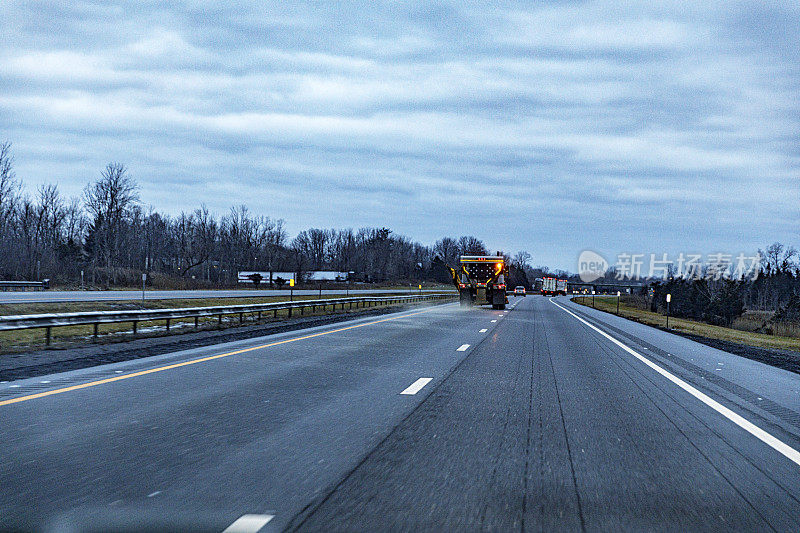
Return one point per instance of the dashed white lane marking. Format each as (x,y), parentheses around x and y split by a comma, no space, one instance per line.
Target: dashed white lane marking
(416,386)
(484,330)
(156,493)
(767,438)
(249,523)
(45,381)
(493,321)
(462,348)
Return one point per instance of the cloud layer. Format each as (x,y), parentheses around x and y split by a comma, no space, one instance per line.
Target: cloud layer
(551,127)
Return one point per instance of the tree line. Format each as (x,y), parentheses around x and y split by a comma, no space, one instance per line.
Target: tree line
(108,238)
(776,290)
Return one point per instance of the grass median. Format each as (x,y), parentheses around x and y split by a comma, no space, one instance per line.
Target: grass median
(692,327)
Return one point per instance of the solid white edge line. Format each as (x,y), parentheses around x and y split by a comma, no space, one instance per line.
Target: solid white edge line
(462,348)
(768,439)
(416,386)
(249,523)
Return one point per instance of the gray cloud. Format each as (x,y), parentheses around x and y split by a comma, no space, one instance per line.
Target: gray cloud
(552,127)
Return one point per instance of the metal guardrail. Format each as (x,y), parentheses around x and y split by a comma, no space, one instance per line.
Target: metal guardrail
(7,285)
(95,318)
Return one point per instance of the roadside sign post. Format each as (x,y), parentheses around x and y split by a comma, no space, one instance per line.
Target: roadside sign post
(81,279)
(420,288)
(618,295)
(144,278)
(669,299)
(592,298)
(291,289)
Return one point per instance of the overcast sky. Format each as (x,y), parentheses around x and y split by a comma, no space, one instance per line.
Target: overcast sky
(550,127)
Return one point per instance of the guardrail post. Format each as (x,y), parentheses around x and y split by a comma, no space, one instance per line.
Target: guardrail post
(290,312)
(168,324)
(47,335)
(95,332)
(219,321)
(134,327)
(195,322)
(241,318)
(274,313)
(259,316)
(302,307)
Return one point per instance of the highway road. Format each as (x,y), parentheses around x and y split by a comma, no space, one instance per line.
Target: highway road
(12,297)
(546,416)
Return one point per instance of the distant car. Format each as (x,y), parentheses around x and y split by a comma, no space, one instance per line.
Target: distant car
(519,290)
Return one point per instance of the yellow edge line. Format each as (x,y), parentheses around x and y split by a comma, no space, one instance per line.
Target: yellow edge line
(195,361)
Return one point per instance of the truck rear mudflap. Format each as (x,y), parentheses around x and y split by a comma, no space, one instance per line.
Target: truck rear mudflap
(499,299)
(465,298)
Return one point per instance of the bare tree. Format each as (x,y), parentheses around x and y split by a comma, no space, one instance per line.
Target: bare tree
(521,259)
(9,188)
(109,201)
(447,249)
(470,245)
